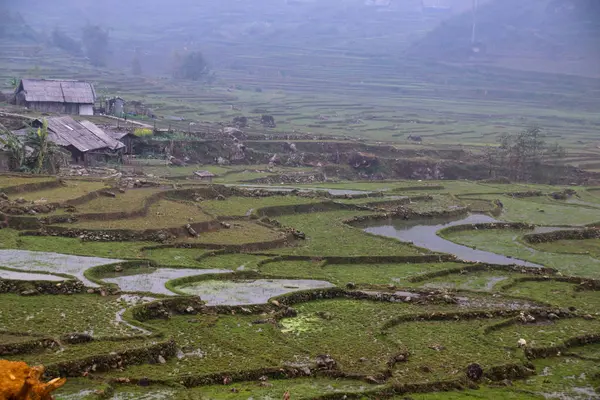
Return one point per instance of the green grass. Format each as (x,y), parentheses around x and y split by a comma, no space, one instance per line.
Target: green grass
(327,235)
(462,345)
(589,247)
(559,293)
(60,314)
(241,232)
(9,239)
(480,281)
(300,388)
(129,201)
(240,206)
(9,181)
(546,334)
(74,352)
(341,274)
(507,242)
(542,211)
(164,214)
(71,190)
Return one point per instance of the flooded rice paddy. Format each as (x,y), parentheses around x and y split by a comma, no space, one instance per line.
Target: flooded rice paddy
(423,233)
(25,260)
(259,291)
(28,276)
(154,281)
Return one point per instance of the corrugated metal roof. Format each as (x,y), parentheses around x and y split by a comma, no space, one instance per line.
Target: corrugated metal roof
(55,91)
(83,135)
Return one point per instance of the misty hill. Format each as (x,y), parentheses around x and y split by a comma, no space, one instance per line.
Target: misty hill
(236,34)
(14,27)
(545,35)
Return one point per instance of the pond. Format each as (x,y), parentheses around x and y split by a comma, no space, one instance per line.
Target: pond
(259,291)
(423,233)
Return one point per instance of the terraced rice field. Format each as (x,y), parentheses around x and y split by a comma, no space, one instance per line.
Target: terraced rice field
(308,300)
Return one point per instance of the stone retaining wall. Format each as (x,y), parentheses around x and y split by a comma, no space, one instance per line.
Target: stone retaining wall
(107,362)
(575,234)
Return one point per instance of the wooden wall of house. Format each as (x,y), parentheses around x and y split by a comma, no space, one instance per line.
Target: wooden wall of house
(59,108)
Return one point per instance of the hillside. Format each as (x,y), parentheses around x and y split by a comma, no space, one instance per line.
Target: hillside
(546,35)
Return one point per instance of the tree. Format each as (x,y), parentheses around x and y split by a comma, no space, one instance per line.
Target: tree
(65,42)
(95,41)
(525,156)
(46,156)
(192,66)
(16,149)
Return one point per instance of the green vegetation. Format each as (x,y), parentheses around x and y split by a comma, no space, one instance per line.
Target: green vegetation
(507,242)
(70,190)
(164,214)
(360,335)
(131,200)
(241,232)
(60,314)
(328,235)
(9,181)
(240,206)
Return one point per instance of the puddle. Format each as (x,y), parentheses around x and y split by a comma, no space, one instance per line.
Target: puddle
(258,291)
(423,233)
(493,280)
(29,276)
(154,282)
(52,262)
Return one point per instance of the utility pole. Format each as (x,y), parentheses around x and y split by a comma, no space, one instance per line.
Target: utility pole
(473,33)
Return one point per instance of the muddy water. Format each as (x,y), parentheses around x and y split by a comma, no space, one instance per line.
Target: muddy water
(423,233)
(258,291)
(28,276)
(154,281)
(52,262)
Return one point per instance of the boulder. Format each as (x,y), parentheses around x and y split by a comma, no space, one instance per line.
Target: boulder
(325,362)
(474,372)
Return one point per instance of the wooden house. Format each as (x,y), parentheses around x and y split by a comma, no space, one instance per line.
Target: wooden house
(63,97)
(87,143)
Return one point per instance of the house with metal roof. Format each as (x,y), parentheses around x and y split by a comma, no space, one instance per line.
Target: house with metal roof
(57,96)
(87,143)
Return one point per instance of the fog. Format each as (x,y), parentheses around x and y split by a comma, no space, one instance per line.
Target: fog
(546,35)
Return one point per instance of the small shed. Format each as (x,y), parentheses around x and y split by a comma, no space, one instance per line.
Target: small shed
(87,143)
(126,137)
(116,106)
(63,97)
(204,175)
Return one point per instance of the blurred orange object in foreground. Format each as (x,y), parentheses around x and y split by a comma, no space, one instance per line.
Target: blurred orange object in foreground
(18,381)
